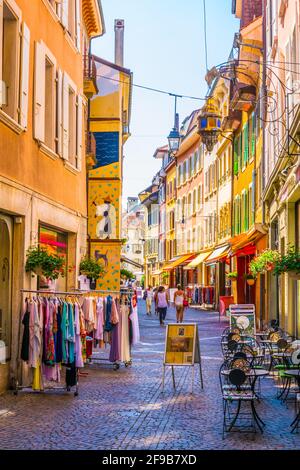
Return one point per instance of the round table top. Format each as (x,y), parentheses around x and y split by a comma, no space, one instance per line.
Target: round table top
(251,373)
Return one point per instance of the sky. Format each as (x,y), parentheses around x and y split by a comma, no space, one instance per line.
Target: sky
(164,48)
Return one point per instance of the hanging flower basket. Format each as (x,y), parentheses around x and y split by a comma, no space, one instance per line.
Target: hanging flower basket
(264,262)
(289,263)
(43,264)
(250,282)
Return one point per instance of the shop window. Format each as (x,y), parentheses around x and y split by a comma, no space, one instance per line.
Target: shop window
(10,50)
(55,242)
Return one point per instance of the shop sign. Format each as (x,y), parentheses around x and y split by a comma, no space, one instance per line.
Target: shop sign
(243,317)
(181,345)
(182,348)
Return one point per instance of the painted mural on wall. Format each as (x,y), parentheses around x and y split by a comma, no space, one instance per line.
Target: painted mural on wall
(104,209)
(109,255)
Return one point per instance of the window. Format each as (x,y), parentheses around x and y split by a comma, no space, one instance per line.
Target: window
(251,206)
(236,155)
(72,126)
(189,209)
(184,171)
(199,197)
(195,201)
(196,157)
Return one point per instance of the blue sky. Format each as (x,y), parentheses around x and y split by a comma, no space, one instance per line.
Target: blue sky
(164,48)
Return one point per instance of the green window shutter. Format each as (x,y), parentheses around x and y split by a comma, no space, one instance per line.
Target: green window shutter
(241,151)
(253,135)
(246,144)
(236,156)
(246,212)
(240,215)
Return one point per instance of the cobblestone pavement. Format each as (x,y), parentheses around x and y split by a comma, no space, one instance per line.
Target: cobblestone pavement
(126,409)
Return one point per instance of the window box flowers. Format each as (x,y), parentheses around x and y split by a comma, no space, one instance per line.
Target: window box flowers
(232,275)
(43,264)
(92,269)
(289,263)
(266,261)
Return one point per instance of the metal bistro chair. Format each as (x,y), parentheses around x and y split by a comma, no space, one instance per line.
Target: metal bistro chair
(235,391)
(291,362)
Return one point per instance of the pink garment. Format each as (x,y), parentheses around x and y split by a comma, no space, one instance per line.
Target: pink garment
(114,313)
(100,320)
(51,373)
(78,343)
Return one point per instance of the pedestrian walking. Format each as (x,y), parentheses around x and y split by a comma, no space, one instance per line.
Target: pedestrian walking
(162,303)
(180,303)
(154,296)
(149,299)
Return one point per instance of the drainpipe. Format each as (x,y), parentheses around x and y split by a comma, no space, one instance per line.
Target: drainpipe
(262,176)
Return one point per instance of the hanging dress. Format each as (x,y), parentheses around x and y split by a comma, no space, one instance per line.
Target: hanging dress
(78,343)
(125,348)
(114,355)
(134,320)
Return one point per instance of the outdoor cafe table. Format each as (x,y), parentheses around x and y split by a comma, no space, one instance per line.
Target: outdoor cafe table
(252,374)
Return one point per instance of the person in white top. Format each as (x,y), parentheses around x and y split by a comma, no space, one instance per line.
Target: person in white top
(149,300)
(179,300)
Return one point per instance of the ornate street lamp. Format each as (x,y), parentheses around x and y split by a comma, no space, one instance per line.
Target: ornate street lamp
(174,136)
(209,124)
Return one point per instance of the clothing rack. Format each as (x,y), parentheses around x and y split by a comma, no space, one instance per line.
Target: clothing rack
(17,386)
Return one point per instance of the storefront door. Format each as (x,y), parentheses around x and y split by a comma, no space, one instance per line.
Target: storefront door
(6,236)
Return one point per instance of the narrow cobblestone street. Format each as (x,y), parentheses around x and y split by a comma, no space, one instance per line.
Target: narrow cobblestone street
(126,409)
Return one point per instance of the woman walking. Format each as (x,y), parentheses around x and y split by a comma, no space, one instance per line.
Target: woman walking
(179,300)
(149,298)
(162,302)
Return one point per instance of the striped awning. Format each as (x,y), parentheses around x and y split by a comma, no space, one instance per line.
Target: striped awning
(178,261)
(218,253)
(198,260)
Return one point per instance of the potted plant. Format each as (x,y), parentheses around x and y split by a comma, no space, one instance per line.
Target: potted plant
(92,269)
(250,279)
(266,261)
(165,277)
(232,275)
(289,263)
(43,264)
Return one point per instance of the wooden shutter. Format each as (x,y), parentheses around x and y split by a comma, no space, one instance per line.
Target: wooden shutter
(78,23)
(24,85)
(65,12)
(236,156)
(253,135)
(79,129)
(1,51)
(39,92)
(59,113)
(246,144)
(65,110)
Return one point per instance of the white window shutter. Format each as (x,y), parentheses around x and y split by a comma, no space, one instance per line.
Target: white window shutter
(65,129)
(79,130)
(39,92)
(1,49)
(59,112)
(78,24)
(24,88)
(65,12)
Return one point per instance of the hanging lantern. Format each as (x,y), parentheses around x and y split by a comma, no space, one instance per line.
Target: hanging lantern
(209,124)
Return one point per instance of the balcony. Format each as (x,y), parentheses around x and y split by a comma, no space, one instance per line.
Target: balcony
(89,76)
(90,151)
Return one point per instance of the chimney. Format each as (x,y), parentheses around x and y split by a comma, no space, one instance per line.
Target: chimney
(119,42)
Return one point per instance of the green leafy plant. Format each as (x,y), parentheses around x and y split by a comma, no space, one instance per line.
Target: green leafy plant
(266,261)
(232,275)
(143,281)
(91,268)
(165,276)
(127,274)
(40,262)
(289,262)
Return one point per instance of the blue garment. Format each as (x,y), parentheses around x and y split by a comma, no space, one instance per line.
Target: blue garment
(108,325)
(71,334)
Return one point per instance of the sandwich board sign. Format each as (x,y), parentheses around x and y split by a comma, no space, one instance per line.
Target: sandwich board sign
(243,317)
(182,348)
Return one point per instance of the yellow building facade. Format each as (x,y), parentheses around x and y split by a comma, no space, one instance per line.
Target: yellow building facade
(109,122)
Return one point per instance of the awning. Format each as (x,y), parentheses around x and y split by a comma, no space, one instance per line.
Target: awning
(198,260)
(245,243)
(130,261)
(218,253)
(178,261)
